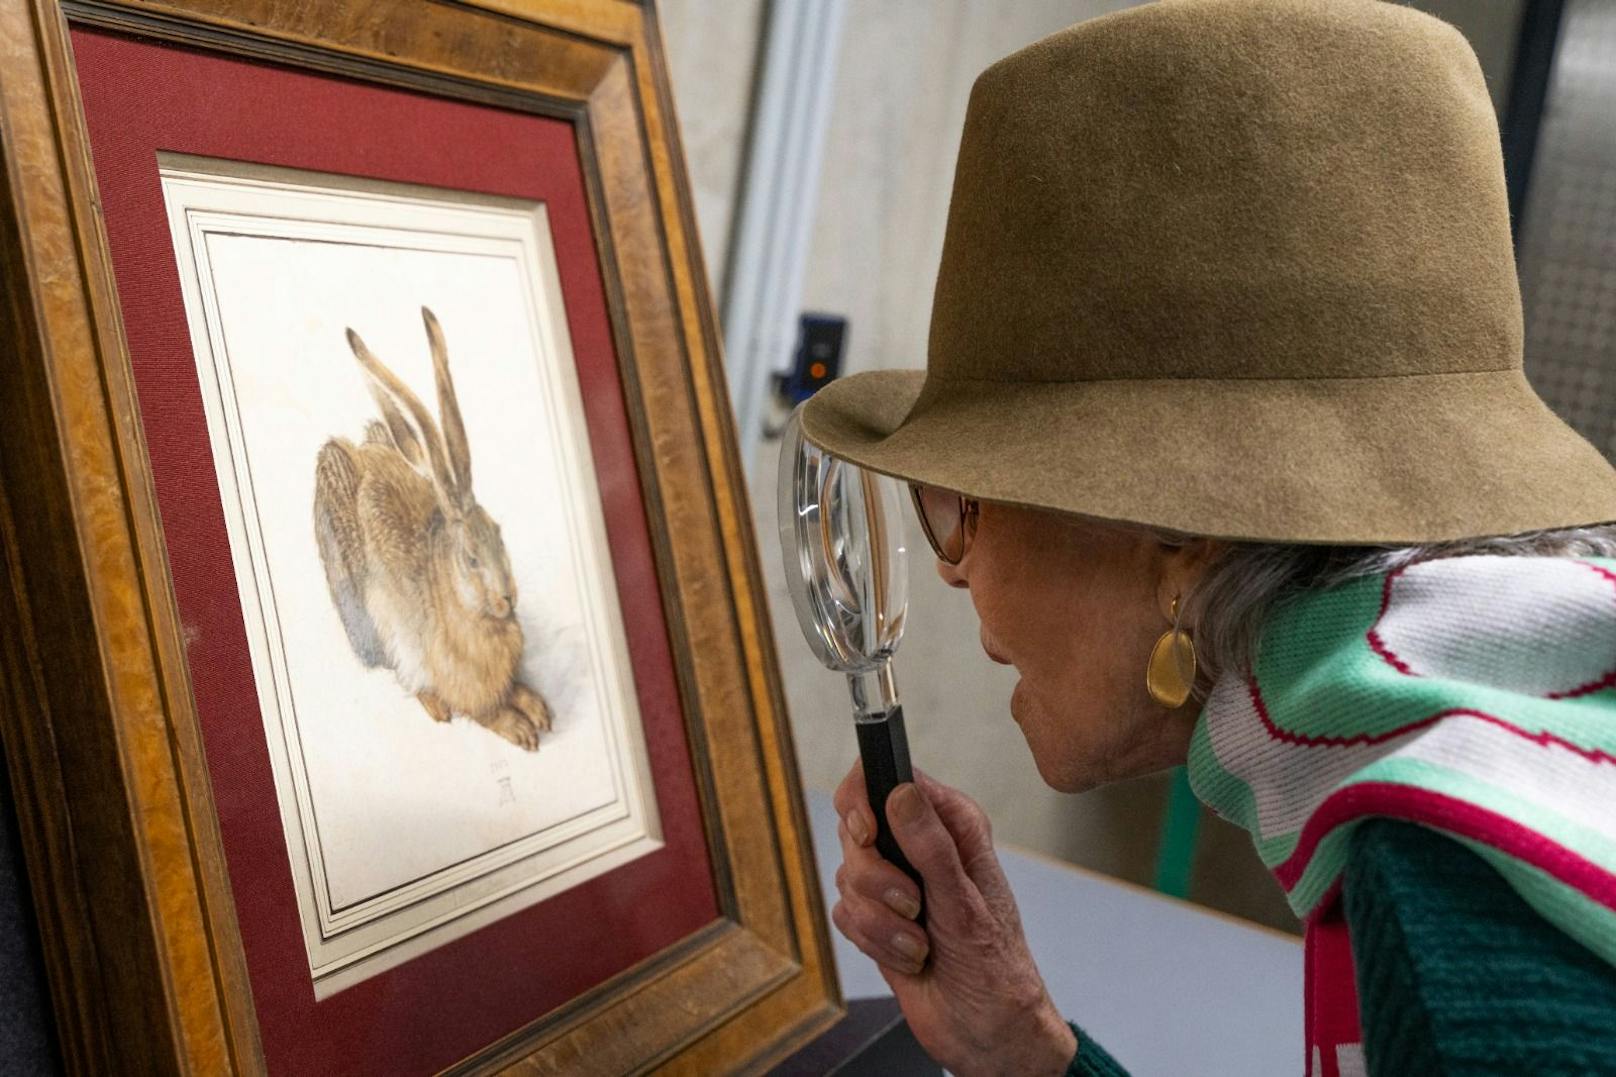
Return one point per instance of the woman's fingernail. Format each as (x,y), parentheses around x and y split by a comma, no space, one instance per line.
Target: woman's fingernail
(903,806)
(856,828)
(901,903)
(909,946)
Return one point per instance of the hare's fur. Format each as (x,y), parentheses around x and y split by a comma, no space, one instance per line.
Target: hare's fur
(416,568)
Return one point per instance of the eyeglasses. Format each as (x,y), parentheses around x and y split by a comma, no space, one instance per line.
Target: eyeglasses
(948,518)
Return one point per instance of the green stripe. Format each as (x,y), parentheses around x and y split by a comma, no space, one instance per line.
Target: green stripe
(1329,858)
(1231,797)
(1424,774)
(1566,907)
(1320,678)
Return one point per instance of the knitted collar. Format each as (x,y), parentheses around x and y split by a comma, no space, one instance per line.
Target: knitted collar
(1475,695)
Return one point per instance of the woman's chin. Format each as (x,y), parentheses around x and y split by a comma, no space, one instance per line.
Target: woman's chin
(1053,757)
(1063,777)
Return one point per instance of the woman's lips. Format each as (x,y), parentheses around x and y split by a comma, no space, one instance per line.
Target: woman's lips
(987,648)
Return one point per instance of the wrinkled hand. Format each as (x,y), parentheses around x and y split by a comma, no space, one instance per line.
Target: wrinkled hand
(970,991)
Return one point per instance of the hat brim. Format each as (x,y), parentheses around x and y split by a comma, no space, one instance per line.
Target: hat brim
(1396,460)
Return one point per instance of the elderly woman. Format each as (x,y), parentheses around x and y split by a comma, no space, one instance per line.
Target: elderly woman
(1224,428)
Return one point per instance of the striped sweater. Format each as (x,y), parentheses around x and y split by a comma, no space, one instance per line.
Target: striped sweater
(1456,974)
(1474,698)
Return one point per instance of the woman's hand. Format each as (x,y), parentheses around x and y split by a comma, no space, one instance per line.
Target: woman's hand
(971,993)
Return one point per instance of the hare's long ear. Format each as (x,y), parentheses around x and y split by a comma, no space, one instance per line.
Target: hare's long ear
(408,421)
(401,431)
(454,428)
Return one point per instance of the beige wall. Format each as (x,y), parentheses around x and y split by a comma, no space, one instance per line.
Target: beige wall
(712,54)
(905,74)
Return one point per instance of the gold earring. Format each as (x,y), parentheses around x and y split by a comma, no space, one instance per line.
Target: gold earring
(1171,672)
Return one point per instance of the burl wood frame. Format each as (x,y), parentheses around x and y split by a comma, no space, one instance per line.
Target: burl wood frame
(100,733)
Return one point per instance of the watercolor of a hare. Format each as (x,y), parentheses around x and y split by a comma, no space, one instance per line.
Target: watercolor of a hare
(417,568)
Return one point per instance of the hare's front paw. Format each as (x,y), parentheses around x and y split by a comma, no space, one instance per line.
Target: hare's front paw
(533,705)
(515,727)
(437,708)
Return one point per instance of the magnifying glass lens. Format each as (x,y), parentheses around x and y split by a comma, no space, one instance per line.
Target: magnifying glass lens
(841,537)
(841,534)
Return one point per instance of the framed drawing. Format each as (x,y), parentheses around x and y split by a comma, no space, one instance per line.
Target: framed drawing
(390,690)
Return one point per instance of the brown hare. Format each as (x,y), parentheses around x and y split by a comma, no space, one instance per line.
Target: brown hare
(417,569)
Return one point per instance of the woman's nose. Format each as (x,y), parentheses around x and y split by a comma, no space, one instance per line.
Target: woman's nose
(950,574)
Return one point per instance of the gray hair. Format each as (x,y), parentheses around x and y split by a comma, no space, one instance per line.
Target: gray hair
(1226,609)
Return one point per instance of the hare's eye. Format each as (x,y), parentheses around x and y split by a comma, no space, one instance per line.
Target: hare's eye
(472,558)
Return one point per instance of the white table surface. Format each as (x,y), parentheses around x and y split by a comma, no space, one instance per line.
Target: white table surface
(1167,987)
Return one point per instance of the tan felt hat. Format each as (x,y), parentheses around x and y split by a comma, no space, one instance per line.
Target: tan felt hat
(1240,268)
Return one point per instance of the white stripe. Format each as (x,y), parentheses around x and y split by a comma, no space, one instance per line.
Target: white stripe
(1533,625)
(1289,781)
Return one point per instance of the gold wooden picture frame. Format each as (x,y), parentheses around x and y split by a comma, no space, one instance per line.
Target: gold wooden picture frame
(117,806)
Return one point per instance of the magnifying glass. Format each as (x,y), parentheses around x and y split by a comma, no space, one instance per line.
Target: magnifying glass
(841,535)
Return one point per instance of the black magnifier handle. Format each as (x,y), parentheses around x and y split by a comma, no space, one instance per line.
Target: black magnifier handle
(884,749)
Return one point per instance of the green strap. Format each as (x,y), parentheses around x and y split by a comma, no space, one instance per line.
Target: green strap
(1176,854)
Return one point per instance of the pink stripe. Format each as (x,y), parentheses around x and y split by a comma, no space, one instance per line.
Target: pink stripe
(1542,738)
(1329,983)
(1325,903)
(1380,647)
(1377,644)
(1608,679)
(1602,570)
(1454,815)
(1600,685)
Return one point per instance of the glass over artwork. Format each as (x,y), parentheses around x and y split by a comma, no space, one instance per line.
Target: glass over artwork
(420,551)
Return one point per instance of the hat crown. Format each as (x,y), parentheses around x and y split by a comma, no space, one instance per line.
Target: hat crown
(1230,189)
